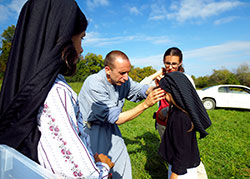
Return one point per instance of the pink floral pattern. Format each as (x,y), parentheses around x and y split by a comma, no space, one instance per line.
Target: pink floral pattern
(55,132)
(64,147)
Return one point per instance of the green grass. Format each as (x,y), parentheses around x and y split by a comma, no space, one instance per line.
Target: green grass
(76,86)
(224,152)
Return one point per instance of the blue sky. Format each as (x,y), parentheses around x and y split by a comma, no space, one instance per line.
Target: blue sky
(213,34)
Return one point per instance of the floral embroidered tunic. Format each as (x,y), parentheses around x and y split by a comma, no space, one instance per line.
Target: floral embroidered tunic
(64,147)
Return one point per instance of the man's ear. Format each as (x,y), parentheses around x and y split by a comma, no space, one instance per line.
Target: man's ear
(107,70)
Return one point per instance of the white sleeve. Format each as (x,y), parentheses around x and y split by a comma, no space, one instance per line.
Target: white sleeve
(61,149)
(190,79)
(148,81)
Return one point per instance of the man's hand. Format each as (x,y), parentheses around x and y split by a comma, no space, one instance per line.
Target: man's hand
(174,176)
(149,90)
(153,97)
(104,159)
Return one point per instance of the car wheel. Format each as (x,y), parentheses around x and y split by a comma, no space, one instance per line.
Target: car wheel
(208,103)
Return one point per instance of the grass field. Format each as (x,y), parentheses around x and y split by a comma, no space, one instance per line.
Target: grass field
(225,152)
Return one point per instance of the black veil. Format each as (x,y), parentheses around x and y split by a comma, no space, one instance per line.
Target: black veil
(187,98)
(43,28)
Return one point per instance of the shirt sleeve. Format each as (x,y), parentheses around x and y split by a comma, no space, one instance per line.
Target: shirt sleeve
(148,81)
(96,102)
(190,79)
(137,91)
(64,148)
(181,141)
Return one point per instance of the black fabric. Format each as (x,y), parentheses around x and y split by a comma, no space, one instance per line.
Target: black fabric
(43,27)
(187,98)
(179,147)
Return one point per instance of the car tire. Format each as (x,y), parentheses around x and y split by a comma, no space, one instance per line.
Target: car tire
(208,103)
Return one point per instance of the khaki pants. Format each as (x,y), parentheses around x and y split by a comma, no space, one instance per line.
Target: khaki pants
(201,171)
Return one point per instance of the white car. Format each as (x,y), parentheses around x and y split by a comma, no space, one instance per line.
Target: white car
(225,96)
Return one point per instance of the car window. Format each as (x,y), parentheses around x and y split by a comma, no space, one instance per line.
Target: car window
(223,89)
(205,88)
(238,90)
(245,90)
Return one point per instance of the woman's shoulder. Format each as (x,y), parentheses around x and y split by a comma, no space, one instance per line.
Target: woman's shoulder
(190,78)
(61,86)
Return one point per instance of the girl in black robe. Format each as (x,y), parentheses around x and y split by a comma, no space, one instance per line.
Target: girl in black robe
(186,116)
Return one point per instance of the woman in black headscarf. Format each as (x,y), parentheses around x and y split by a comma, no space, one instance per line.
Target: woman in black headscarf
(46,46)
(186,116)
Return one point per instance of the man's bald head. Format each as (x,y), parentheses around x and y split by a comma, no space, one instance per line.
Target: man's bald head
(112,56)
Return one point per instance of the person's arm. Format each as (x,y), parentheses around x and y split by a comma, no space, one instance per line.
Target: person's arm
(173,176)
(150,79)
(153,97)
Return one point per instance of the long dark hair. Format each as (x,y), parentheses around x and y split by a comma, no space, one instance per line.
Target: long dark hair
(172,101)
(69,54)
(174,51)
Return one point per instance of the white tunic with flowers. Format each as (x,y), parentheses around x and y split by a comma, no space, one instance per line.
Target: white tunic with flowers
(64,147)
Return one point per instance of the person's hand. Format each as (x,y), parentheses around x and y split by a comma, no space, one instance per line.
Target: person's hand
(174,176)
(156,74)
(159,76)
(155,96)
(104,159)
(149,90)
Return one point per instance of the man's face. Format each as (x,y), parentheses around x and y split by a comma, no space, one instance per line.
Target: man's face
(118,74)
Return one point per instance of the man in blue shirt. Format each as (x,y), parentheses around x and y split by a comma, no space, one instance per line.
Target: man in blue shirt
(101,100)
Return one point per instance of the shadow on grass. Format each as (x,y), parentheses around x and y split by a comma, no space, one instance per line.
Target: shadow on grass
(149,144)
(234,109)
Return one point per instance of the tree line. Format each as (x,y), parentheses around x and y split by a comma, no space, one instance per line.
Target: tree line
(92,63)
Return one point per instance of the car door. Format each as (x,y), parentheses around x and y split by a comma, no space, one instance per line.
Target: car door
(239,97)
(222,97)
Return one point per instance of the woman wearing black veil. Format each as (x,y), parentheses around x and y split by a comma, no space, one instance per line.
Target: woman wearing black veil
(39,113)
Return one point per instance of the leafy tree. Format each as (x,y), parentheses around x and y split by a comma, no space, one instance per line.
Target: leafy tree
(201,82)
(138,74)
(222,76)
(6,39)
(91,64)
(243,74)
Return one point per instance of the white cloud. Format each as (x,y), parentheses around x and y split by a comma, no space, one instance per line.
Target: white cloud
(4,13)
(155,61)
(134,10)
(225,20)
(94,39)
(229,55)
(16,5)
(11,10)
(158,12)
(202,61)
(222,52)
(192,9)
(96,3)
